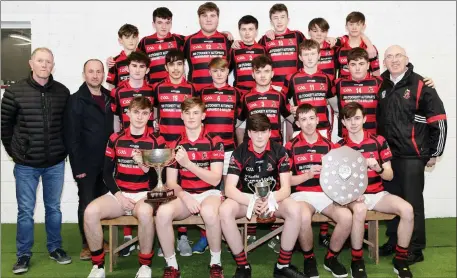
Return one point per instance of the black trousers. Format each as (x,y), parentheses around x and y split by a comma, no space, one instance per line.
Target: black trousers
(89,188)
(408,183)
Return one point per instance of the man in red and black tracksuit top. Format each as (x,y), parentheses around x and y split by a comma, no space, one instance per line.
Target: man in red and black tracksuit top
(360,87)
(128,182)
(157,45)
(412,118)
(193,177)
(377,154)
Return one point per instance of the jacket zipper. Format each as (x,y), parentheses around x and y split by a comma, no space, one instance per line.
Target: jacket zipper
(46,125)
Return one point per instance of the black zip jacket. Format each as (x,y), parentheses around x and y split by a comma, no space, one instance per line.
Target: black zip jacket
(411,117)
(87,129)
(32,122)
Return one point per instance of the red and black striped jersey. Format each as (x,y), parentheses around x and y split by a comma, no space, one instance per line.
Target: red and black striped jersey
(327,60)
(157,48)
(199,50)
(313,89)
(123,95)
(253,167)
(374,146)
(241,64)
(364,92)
(119,72)
(203,152)
(341,60)
(222,108)
(168,98)
(271,103)
(128,175)
(303,155)
(283,51)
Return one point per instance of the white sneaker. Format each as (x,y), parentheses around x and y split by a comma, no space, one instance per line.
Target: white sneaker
(97,272)
(144,272)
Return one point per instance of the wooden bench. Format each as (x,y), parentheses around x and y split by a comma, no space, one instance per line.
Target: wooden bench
(373,219)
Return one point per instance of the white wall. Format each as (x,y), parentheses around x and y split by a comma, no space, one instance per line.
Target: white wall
(77,31)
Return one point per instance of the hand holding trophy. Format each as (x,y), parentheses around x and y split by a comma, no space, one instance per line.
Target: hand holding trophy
(262,190)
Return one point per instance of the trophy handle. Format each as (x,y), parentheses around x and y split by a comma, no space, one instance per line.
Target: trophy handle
(251,186)
(274,185)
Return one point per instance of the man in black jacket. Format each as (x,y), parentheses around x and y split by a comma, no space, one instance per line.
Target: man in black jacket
(88,125)
(412,118)
(32,134)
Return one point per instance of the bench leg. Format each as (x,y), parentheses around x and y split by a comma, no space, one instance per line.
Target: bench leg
(373,233)
(113,241)
(245,238)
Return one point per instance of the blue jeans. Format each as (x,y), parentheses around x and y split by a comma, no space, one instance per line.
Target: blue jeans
(27,179)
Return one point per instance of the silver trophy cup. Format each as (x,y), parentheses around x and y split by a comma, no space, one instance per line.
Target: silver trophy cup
(262,189)
(344,175)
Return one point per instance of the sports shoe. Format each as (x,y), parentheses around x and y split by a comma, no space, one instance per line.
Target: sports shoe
(126,251)
(216,271)
(84,255)
(21,265)
(287,272)
(143,272)
(415,257)
(97,272)
(243,271)
(401,268)
(201,246)
(275,244)
(60,256)
(251,239)
(386,250)
(171,272)
(358,269)
(159,252)
(324,240)
(310,268)
(335,267)
(183,246)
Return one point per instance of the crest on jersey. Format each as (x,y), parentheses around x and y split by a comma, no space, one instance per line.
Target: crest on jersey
(322,87)
(273,104)
(219,46)
(232,160)
(229,98)
(269,167)
(291,41)
(170,45)
(383,94)
(328,53)
(407,94)
(370,89)
(204,156)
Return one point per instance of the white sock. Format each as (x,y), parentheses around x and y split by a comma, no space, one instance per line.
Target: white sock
(171,261)
(128,237)
(215,258)
(281,266)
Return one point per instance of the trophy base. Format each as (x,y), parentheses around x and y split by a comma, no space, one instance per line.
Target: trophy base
(267,220)
(156,198)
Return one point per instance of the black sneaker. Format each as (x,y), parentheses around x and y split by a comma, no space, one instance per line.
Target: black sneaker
(243,271)
(386,250)
(358,269)
(126,251)
(415,257)
(324,240)
(22,265)
(288,272)
(310,268)
(60,256)
(401,268)
(335,267)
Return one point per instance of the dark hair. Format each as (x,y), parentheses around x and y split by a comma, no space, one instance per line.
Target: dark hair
(308,45)
(208,7)
(161,12)
(258,122)
(127,30)
(355,17)
(93,60)
(357,53)
(261,61)
(174,55)
(138,56)
(190,102)
(248,19)
(278,8)
(303,109)
(140,102)
(320,22)
(350,109)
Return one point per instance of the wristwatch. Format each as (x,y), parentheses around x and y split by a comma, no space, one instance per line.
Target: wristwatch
(381,171)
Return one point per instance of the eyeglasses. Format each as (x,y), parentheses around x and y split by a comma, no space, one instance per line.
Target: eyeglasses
(397,56)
